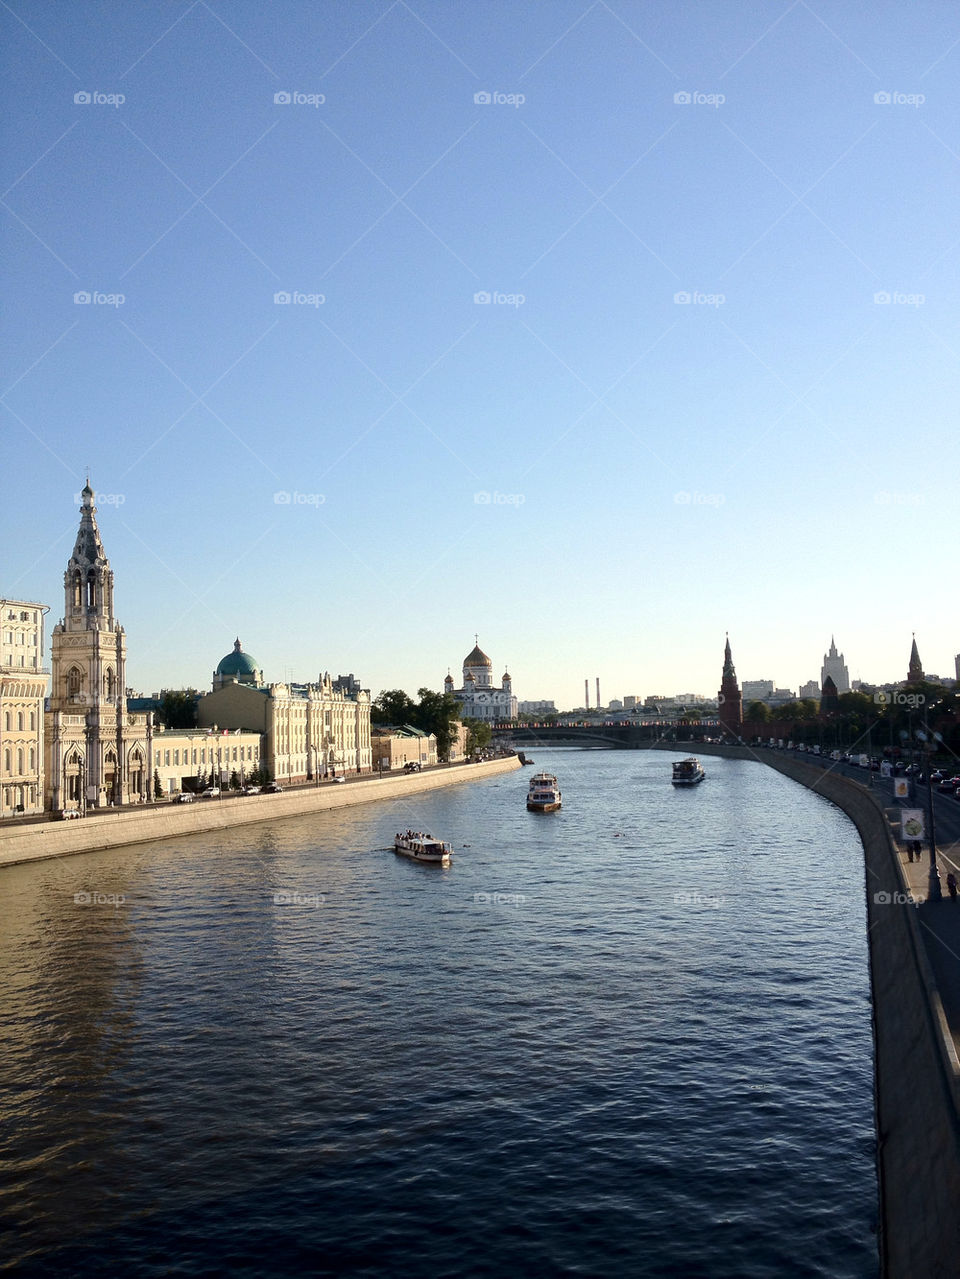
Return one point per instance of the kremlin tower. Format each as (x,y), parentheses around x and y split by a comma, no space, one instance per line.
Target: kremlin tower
(730,711)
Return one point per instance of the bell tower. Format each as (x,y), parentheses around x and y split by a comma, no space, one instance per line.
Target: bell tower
(730,699)
(89,724)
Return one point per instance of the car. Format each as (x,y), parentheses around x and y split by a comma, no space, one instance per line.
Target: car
(340,779)
(411,766)
(250,790)
(185,798)
(949,785)
(272,788)
(874,766)
(911,770)
(69,814)
(212,792)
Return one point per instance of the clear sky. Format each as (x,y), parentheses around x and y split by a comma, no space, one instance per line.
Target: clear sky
(593,473)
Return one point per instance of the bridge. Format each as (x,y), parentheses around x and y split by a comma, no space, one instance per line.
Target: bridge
(617,735)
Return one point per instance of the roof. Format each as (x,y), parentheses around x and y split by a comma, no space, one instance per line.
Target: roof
(477,658)
(238,662)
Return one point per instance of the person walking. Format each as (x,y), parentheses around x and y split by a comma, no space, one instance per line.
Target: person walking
(952,887)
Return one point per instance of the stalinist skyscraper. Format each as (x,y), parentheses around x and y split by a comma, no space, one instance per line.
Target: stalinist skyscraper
(833,666)
(96,753)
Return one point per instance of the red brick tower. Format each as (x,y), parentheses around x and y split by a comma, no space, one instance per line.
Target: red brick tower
(915,669)
(730,713)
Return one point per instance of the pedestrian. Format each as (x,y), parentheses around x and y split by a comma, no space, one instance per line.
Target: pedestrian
(952,887)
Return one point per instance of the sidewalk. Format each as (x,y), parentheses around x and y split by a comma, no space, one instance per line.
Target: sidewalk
(939,925)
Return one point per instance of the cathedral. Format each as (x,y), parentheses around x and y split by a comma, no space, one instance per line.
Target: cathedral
(479,698)
(96,754)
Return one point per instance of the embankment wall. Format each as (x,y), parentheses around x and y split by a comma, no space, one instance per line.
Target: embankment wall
(140,825)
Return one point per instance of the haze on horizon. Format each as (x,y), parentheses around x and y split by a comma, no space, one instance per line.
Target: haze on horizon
(597,329)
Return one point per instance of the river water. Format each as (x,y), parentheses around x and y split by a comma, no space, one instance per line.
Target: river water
(628,1038)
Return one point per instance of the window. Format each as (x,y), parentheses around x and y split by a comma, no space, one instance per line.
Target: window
(20,722)
(176,757)
(6,722)
(33,720)
(166,758)
(6,761)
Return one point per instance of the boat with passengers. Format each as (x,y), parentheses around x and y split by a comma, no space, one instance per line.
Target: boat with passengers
(421,847)
(687,772)
(544,793)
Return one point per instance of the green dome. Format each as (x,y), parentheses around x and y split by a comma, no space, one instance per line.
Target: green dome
(238,662)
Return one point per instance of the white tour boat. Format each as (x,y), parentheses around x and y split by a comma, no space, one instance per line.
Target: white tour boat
(687,772)
(422,848)
(544,793)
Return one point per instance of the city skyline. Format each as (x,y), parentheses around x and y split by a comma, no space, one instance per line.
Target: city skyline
(599,331)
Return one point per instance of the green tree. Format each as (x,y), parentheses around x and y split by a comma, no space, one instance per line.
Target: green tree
(437,714)
(757,713)
(479,734)
(178,708)
(393,706)
(157,788)
(234,780)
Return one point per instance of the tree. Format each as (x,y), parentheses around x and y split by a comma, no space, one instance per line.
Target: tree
(437,714)
(393,706)
(234,780)
(178,708)
(479,734)
(157,788)
(757,712)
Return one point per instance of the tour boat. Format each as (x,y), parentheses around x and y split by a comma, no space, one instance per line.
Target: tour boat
(422,848)
(544,793)
(687,772)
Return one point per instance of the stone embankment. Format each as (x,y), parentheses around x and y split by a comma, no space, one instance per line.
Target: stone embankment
(140,825)
(917,1072)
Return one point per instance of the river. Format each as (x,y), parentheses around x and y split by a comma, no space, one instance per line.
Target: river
(628,1038)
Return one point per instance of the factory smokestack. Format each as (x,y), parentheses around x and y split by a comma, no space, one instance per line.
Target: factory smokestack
(586,693)
(598,692)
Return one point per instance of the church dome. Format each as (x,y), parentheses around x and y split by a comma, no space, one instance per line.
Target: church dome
(477,658)
(238,662)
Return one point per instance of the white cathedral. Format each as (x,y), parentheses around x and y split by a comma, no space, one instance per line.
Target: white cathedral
(479,698)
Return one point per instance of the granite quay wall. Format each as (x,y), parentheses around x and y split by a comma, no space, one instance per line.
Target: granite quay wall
(140,825)
(917,1074)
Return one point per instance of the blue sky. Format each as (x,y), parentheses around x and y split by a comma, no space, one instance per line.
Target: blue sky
(714,387)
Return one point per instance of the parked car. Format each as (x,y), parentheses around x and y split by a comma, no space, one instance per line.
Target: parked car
(212,792)
(411,766)
(185,798)
(69,814)
(272,788)
(250,790)
(949,784)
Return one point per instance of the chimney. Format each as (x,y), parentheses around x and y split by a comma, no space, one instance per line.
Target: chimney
(586,693)
(598,692)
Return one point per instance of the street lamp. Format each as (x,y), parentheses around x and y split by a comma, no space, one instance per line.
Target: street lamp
(934,891)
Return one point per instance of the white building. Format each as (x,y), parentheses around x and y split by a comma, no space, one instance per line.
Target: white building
(536,708)
(810,689)
(23,686)
(756,690)
(834,666)
(479,697)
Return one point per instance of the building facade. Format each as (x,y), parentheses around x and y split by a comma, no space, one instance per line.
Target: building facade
(479,697)
(396,745)
(309,731)
(96,753)
(810,689)
(23,687)
(184,757)
(729,699)
(834,668)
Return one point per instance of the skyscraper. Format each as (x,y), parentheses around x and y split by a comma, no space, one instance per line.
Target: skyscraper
(834,667)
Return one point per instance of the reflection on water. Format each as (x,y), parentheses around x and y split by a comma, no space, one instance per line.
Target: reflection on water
(629,1037)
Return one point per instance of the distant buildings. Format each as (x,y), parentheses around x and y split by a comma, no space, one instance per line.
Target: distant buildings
(479,697)
(835,669)
(757,690)
(810,689)
(536,708)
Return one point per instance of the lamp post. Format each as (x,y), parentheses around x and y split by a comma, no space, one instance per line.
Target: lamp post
(934,891)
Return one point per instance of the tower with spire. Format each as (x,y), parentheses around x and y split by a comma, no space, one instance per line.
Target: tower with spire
(730,712)
(915,669)
(834,668)
(97,754)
